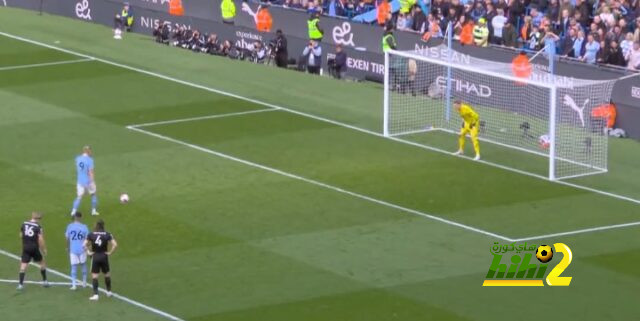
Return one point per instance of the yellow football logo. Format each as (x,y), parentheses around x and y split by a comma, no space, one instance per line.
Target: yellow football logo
(544,253)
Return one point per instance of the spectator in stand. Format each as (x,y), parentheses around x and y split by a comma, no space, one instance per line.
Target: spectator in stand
(313,8)
(312,54)
(614,55)
(633,57)
(591,49)
(360,8)
(578,45)
(509,35)
(534,39)
(601,56)
(491,13)
(566,47)
(553,11)
(401,22)
(564,22)
(536,17)
(432,29)
(478,12)
(498,22)
(516,10)
(335,8)
(636,33)
(606,16)
(540,5)
(582,6)
(481,33)
(384,8)
(502,4)
(419,20)
(525,31)
(451,17)
(627,44)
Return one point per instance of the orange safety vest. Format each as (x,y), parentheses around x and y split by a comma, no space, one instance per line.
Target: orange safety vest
(175,8)
(264,20)
(383,11)
(466,35)
(521,68)
(606,111)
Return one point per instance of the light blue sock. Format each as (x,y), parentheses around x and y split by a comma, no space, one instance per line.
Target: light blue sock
(84,273)
(94,201)
(76,203)
(74,274)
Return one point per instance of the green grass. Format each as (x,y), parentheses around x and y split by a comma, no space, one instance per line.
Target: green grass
(208,238)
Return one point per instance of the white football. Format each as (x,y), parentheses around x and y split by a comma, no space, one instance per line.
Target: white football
(124,198)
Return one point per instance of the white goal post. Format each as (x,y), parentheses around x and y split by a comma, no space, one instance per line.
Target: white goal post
(523,118)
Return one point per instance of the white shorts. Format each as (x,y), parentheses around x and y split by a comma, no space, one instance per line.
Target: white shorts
(76,259)
(82,189)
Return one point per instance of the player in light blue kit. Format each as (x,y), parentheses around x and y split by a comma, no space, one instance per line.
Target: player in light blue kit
(86,181)
(76,234)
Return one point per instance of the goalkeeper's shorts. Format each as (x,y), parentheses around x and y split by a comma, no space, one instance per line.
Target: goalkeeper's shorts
(469,128)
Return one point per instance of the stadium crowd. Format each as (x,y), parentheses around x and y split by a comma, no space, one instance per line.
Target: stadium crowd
(592,31)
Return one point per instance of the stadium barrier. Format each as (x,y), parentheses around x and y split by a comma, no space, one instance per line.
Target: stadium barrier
(362,43)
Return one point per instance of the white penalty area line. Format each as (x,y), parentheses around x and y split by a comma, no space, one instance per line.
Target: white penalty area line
(586,230)
(337,123)
(182,120)
(45,64)
(117,296)
(35,282)
(317,183)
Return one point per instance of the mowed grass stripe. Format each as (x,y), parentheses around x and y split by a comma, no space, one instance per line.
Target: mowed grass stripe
(457,190)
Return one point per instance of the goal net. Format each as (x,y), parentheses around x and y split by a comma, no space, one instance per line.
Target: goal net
(542,125)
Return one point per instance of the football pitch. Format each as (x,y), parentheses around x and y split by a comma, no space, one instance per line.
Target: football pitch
(267,194)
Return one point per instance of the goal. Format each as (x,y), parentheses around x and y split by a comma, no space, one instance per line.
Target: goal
(541,125)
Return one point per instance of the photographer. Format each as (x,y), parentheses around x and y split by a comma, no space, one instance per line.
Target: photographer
(280,48)
(258,52)
(312,54)
(338,65)
(161,33)
(212,47)
(196,43)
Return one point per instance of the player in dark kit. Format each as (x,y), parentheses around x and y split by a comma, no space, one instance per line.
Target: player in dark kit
(97,245)
(33,248)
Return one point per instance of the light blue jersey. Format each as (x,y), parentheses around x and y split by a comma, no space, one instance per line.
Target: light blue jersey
(84,164)
(76,234)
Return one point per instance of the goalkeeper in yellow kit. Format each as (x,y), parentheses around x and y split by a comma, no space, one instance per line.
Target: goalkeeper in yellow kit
(470,126)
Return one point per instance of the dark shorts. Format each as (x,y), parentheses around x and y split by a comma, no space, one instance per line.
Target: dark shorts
(31,253)
(100,263)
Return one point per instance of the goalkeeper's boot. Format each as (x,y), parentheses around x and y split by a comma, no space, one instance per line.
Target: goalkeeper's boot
(94,297)
(459,152)
(477,157)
